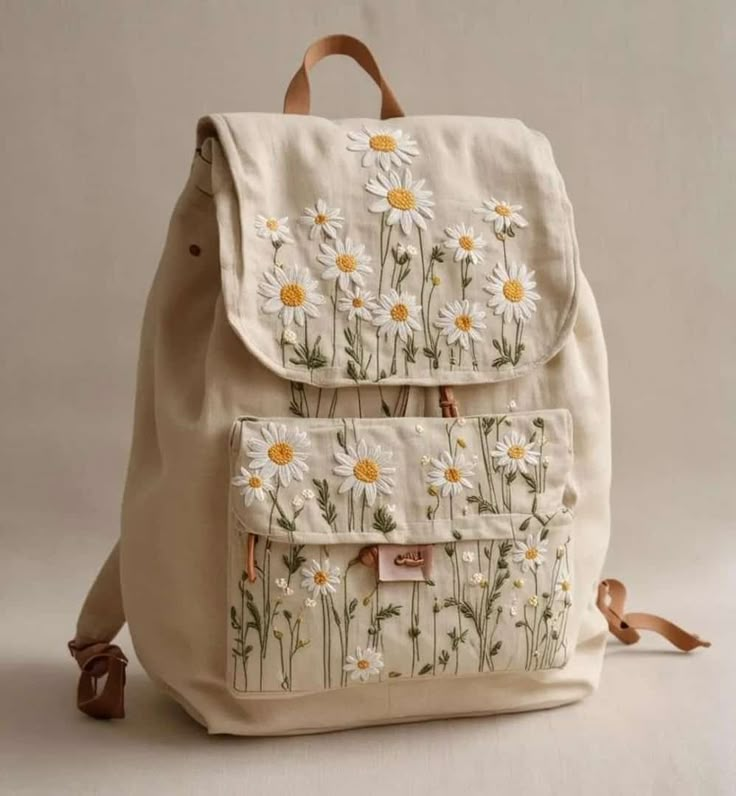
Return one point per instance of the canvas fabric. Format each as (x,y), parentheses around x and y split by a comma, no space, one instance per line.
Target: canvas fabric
(217,376)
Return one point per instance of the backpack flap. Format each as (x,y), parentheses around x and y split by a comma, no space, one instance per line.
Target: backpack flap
(415,251)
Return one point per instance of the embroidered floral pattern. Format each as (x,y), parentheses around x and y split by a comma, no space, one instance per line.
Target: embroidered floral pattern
(491,603)
(394,288)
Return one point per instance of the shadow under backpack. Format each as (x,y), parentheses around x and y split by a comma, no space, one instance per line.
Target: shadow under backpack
(369,478)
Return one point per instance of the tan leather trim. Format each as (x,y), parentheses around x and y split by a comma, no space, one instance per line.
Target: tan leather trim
(297,99)
(625,626)
(448,402)
(99,660)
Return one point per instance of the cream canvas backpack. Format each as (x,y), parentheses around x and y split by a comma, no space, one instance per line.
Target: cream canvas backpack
(369,479)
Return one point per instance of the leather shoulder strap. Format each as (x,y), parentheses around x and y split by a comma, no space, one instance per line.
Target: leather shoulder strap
(625,626)
(100,620)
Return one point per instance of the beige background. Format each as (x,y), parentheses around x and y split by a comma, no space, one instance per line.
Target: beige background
(99,100)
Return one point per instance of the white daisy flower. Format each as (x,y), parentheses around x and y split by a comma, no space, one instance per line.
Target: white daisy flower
(321,218)
(357,302)
(405,201)
(307,494)
(478,579)
(512,292)
(563,587)
(460,321)
(450,474)
(292,293)
(411,251)
(297,502)
(290,336)
(253,486)
(310,603)
(513,451)
(320,579)
(465,242)
(363,664)
(468,556)
(281,452)
(346,262)
(398,314)
(366,471)
(274,229)
(530,554)
(383,146)
(502,215)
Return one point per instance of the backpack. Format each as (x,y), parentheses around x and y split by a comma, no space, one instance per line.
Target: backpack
(369,477)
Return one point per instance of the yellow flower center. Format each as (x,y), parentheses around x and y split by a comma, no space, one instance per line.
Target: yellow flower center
(358,303)
(401,199)
(503,210)
(532,554)
(366,470)
(452,474)
(467,243)
(516,452)
(565,585)
(346,263)
(272,224)
(363,664)
(464,323)
(436,281)
(382,143)
(293,295)
(255,482)
(513,290)
(320,219)
(281,453)
(320,577)
(400,312)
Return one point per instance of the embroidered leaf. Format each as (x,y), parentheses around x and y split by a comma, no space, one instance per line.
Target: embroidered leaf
(327,507)
(311,358)
(234,621)
(383,521)
(496,648)
(525,524)
(394,674)
(387,611)
(426,669)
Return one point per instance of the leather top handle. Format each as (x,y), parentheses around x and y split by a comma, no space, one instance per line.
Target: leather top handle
(297,99)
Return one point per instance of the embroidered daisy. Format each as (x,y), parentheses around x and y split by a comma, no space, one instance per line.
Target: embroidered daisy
(460,322)
(363,664)
(465,242)
(274,229)
(321,579)
(357,302)
(405,201)
(383,146)
(346,262)
(563,587)
(450,474)
(397,314)
(502,215)
(512,292)
(281,452)
(366,471)
(530,554)
(252,486)
(292,293)
(321,218)
(513,451)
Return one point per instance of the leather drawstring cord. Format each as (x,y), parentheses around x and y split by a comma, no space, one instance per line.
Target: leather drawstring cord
(448,404)
(625,626)
(98,660)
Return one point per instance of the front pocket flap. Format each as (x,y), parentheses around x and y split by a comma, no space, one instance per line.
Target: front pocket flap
(401,480)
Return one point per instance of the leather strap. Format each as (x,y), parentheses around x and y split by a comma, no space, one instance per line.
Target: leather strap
(448,403)
(297,99)
(625,626)
(98,660)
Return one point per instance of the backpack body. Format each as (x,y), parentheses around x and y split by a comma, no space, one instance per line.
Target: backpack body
(317,533)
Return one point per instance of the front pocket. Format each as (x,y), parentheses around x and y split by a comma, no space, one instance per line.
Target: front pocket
(367,550)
